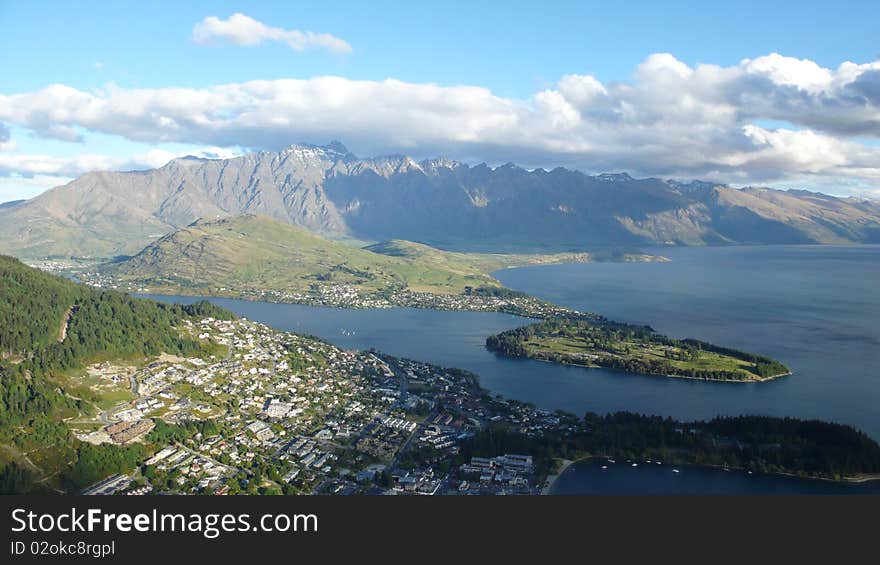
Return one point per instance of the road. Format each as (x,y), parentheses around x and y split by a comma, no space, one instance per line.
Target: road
(62,333)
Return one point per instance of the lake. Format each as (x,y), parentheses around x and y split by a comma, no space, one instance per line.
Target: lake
(816,308)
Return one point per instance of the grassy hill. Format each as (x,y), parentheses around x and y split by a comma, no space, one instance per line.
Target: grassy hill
(260,252)
(488,262)
(257,252)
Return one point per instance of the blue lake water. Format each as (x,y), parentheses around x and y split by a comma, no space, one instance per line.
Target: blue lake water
(815,308)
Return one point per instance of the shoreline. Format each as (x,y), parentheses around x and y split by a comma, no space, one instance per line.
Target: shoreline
(852,480)
(551,479)
(566,463)
(417,307)
(269,300)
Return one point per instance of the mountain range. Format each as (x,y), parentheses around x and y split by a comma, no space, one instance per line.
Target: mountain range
(440,202)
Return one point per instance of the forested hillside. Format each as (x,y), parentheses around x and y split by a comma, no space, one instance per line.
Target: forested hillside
(49,325)
(759,443)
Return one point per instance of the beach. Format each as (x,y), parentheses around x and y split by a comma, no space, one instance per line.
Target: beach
(548,484)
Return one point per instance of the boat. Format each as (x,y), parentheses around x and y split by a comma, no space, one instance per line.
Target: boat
(604,467)
(635,464)
(675,471)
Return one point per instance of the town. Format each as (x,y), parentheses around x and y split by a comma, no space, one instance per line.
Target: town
(338,295)
(274,412)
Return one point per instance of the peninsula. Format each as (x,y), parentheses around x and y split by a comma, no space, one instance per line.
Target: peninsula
(260,258)
(633,349)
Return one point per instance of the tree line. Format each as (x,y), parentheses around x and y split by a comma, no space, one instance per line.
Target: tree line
(759,443)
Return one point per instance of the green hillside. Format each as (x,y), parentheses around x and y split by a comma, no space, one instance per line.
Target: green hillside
(260,252)
(488,262)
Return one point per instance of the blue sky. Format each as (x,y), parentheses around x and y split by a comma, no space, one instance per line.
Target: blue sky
(511,47)
(512,51)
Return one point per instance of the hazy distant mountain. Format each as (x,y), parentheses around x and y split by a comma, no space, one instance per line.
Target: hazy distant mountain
(10,204)
(440,202)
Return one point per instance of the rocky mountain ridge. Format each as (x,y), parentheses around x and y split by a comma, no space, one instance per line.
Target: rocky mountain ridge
(441,202)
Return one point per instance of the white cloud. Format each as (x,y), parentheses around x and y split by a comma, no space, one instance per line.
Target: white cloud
(801,73)
(671,119)
(240,29)
(34,165)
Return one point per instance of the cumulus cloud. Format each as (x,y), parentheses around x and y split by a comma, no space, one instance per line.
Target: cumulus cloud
(670,119)
(240,29)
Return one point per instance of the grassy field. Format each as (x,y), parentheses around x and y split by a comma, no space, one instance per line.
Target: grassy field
(100,391)
(635,350)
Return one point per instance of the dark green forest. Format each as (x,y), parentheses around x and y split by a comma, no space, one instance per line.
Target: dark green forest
(101,325)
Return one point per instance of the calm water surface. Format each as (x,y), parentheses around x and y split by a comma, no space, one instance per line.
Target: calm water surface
(815,308)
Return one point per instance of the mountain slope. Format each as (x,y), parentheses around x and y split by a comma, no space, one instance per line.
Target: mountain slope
(438,202)
(259,252)
(51,327)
